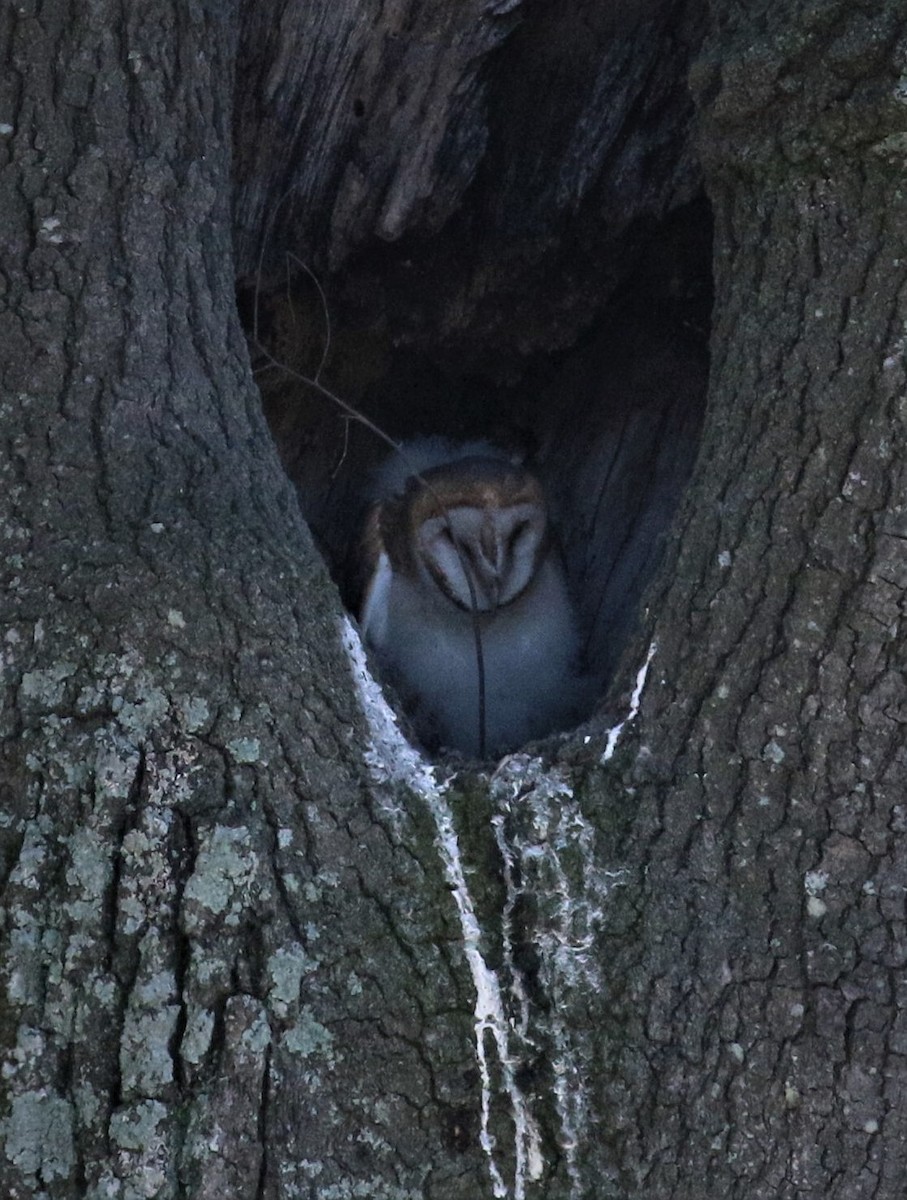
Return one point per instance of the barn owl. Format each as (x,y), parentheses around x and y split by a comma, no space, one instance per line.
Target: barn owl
(471,545)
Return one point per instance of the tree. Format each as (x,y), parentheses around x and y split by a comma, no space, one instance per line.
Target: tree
(253,944)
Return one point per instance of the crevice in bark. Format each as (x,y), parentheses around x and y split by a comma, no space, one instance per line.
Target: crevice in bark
(184,861)
(116,948)
(262,1186)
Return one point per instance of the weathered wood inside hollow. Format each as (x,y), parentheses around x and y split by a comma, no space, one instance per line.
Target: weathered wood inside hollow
(474,169)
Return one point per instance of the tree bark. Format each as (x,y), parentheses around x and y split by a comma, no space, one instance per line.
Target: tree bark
(225,971)
(763,1044)
(254,945)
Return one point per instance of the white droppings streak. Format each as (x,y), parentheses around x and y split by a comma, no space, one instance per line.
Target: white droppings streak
(615,732)
(389,756)
(556,832)
(489,1018)
(512,894)
(393,760)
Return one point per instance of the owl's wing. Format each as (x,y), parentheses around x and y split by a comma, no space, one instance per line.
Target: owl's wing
(375,612)
(374,577)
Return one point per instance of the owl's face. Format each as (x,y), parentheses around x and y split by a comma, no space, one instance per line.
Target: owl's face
(480,522)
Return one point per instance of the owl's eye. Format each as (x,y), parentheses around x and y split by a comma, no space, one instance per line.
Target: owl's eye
(447,534)
(518,532)
(462,547)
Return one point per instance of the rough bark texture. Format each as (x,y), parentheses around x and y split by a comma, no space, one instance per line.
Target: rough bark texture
(215,951)
(765,1052)
(251,946)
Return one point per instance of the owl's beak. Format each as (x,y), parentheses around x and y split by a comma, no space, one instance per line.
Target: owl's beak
(489,581)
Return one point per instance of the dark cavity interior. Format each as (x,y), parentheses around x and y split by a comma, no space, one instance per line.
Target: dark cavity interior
(610,422)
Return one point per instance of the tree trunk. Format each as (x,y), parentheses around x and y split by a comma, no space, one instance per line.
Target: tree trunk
(253,946)
(762,1000)
(226,972)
